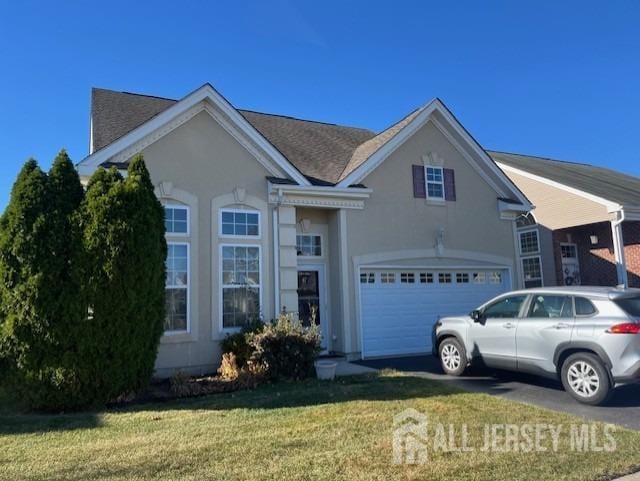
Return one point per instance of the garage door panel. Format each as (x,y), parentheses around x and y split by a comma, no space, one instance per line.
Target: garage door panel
(397,317)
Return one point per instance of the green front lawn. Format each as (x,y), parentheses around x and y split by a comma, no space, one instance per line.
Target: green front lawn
(313,430)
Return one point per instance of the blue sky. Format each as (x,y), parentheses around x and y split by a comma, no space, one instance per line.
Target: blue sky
(557,79)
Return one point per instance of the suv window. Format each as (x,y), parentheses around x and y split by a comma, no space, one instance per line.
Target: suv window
(630,305)
(548,306)
(508,307)
(584,307)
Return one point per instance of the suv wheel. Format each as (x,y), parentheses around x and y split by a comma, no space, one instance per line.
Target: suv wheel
(452,357)
(586,379)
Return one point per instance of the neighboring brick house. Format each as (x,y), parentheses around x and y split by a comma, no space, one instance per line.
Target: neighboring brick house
(583,216)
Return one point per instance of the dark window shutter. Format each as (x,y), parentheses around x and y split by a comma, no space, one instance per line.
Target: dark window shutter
(449,184)
(419,187)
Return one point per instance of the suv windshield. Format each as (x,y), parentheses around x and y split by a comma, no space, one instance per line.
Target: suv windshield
(631,305)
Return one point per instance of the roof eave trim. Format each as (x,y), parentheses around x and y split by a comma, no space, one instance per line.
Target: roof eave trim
(408,130)
(206,92)
(611,206)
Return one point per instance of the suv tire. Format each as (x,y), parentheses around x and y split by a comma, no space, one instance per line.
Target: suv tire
(452,357)
(585,377)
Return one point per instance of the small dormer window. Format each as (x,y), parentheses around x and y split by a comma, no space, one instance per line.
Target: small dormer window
(435,182)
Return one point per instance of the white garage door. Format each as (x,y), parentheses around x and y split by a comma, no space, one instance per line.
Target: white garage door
(400,306)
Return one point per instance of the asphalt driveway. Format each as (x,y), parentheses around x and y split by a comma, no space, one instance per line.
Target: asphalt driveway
(623,408)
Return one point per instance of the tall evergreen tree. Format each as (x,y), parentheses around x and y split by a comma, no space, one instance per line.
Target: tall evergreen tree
(146,270)
(24,287)
(124,239)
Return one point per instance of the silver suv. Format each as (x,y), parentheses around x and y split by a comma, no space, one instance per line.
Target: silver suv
(588,337)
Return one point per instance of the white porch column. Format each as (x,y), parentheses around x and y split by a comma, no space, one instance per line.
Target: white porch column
(288,269)
(618,249)
(344,281)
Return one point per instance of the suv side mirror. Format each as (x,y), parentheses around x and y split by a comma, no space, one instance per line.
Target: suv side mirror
(477,316)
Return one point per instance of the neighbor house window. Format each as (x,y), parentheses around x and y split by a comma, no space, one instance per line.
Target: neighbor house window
(177,287)
(529,242)
(309,245)
(240,223)
(444,278)
(435,182)
(532,271)
(495,278)
(569,251)
(240,285)
(407,277)
(176,219)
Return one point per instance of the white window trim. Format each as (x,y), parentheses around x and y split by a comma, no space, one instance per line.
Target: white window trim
(231,330)
(312,234)
(188,289)
(524,279)
(523,230)
(239,211)
(570,244)
(173,205)
(427,182)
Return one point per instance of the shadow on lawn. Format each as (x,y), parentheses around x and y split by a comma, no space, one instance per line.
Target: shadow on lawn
(369,387)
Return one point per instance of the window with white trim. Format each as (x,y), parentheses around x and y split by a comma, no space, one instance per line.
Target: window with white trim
(239,223)
(529,243)
(495,278)
(176,219)
(240,285)
(434,177)
(177,287)
(309,245)
(532,271)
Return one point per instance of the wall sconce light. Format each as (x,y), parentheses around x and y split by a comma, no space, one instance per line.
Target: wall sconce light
(594,239)
(440,241)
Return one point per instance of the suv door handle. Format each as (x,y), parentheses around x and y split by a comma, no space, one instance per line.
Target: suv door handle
(561,325)
(508,325)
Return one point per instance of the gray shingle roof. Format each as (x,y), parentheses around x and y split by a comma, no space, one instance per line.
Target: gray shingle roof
(321,151)
(608,184)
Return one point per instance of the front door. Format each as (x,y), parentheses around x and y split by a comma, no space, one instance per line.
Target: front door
(311,299)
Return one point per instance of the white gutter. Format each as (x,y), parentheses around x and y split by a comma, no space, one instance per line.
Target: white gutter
(618,248)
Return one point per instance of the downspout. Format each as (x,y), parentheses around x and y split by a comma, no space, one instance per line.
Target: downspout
(276,255)
(618,248)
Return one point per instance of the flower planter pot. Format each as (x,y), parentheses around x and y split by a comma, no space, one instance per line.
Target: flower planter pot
(326,370)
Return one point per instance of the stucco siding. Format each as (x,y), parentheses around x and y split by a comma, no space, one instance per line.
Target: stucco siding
(393,220)
(201,158)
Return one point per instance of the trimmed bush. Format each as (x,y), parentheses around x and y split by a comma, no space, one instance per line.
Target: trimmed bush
(238,343)
(285,349)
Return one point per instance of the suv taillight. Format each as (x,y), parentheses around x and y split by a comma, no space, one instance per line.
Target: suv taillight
(625,328)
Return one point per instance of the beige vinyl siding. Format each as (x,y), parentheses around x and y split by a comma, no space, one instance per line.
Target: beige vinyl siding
(556,208)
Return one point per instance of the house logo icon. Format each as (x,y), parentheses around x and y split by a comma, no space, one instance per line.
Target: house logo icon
(410,437)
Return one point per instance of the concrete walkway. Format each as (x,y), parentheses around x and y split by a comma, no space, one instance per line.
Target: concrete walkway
(345,368)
